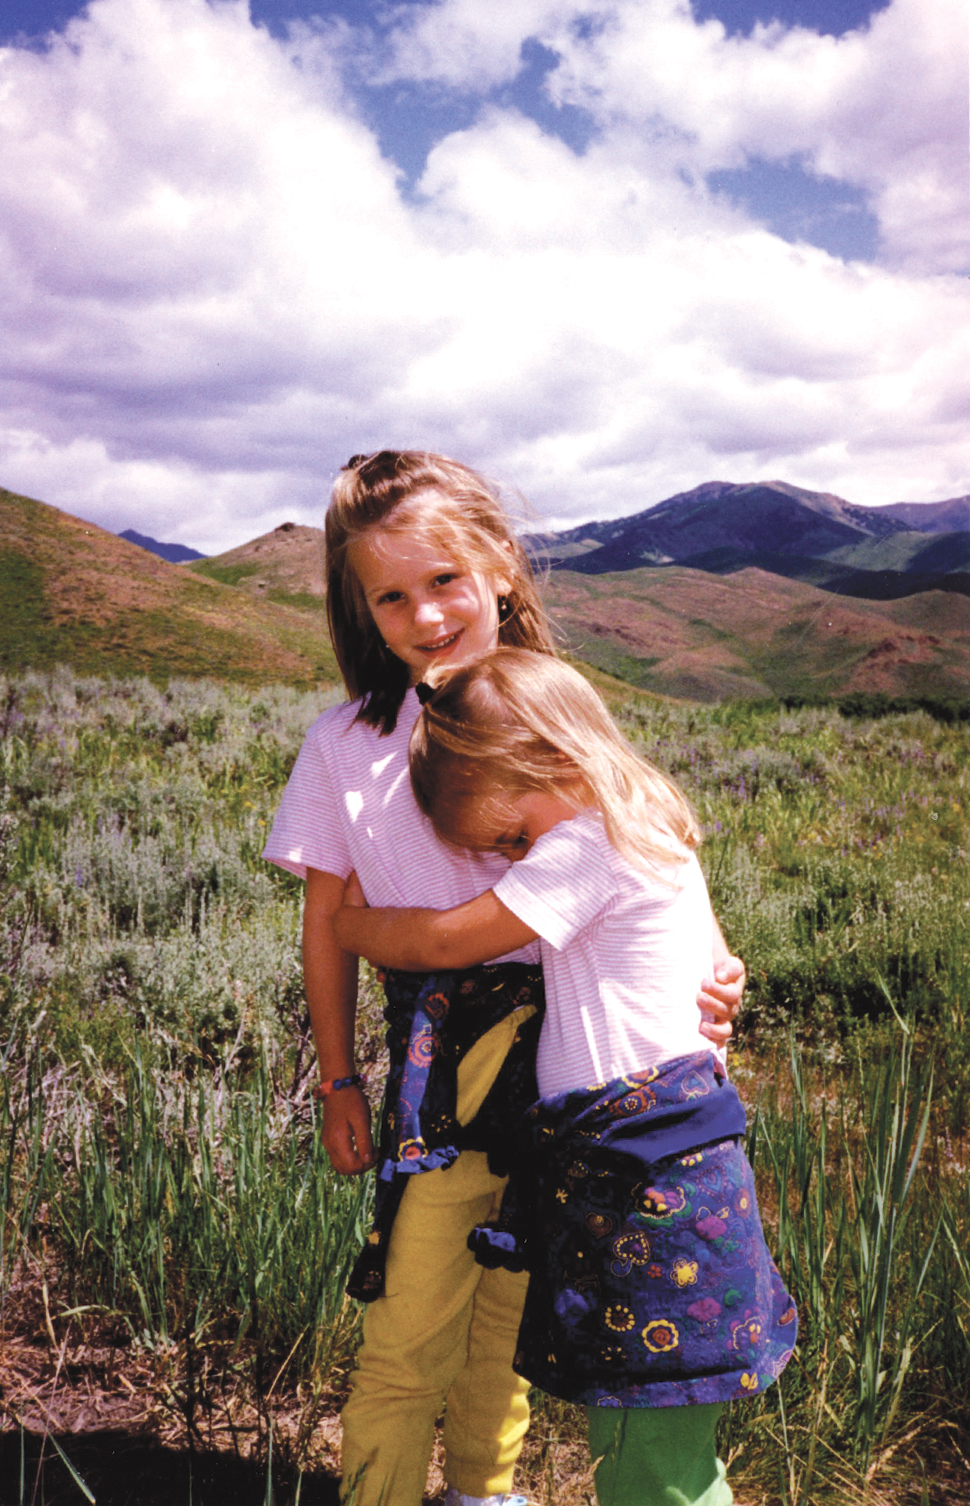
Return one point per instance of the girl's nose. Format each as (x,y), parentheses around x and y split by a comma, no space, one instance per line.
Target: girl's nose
(427,610)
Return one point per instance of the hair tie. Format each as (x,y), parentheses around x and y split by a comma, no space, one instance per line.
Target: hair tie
(353,462)
(424,692)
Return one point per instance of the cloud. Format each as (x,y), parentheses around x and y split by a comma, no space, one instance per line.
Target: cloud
(213,288)
(881,108)
(462,44)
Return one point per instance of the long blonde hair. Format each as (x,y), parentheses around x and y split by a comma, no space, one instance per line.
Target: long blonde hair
(514,723)
(447,503)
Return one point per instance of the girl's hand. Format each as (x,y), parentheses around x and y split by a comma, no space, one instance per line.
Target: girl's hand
(720,1000)
(346,1132)
(354,894)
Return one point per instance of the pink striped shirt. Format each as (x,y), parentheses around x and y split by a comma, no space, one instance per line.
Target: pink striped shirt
(348,807)
(623,955)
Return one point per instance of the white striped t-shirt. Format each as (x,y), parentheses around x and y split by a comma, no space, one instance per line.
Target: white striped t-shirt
(348,807)
(623,955)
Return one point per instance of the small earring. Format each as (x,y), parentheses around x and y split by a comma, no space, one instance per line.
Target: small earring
(504,609)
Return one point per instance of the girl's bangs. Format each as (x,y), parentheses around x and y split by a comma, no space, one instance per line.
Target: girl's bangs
(450,529)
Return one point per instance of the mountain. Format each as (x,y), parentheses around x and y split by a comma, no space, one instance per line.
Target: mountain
(686,632)
(952,516)
(813,537)
(176,554)
(69,592)
(72,593)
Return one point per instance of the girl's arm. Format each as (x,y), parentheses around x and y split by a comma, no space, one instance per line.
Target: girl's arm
(430,940)
(721,995)
(330,982)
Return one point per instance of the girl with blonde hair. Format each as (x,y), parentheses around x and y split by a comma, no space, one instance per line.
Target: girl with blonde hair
(424,575)
(653,1299)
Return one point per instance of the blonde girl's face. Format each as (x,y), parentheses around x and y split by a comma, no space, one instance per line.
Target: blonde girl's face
(527,819)
(430,609)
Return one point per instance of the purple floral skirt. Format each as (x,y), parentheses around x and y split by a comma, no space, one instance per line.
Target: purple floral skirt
(651,1283)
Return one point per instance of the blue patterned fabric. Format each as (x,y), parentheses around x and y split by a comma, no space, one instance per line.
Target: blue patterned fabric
(651,1283)
(433,1020)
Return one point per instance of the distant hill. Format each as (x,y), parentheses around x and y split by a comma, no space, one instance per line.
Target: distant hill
(952,516)
(72,593)
(681,632)
(879,553)
(176,554)
(285,565)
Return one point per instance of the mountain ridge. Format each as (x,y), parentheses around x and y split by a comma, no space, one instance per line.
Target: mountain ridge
(950,516)
(176,554)
(816,537)
(71,592)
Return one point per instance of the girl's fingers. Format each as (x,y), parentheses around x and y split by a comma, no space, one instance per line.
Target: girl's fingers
(719,1003)
(346,1132)
(719,1034)
(722,994)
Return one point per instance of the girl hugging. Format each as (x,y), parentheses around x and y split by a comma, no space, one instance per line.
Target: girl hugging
(652,1297)
(425,575)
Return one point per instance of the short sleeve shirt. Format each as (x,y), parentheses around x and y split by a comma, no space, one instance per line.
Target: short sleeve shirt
(623,955)
(348,807)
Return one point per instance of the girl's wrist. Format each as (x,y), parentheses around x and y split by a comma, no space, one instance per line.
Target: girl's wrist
(337,1084)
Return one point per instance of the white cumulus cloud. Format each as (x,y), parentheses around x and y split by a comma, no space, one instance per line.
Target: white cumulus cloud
(214,286)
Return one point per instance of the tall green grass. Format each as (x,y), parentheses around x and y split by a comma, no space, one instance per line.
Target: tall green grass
(857,1219)
(198,1212)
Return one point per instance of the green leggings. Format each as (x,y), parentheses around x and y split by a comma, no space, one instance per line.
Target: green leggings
(657,1456)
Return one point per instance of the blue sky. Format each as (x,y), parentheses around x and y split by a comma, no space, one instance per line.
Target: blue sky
(603,256)
(32,17)
(410,118)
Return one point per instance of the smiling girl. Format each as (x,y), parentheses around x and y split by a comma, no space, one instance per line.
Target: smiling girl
(424,572)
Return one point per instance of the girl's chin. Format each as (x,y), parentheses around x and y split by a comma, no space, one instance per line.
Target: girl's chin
(432,668)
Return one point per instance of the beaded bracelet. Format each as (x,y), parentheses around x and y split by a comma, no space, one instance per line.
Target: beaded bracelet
(324,1089)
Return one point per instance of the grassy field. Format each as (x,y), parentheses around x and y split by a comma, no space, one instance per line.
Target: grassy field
(172,1242)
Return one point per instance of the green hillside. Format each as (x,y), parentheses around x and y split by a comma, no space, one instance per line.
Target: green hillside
(74,594)
(910,552)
